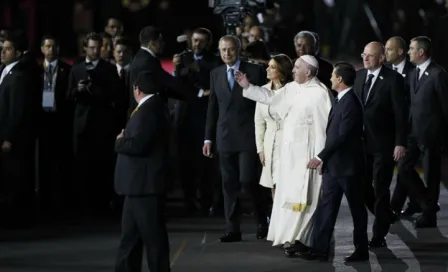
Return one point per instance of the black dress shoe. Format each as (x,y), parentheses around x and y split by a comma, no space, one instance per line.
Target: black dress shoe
(231,237)
(377,242)
(292,249)
(357,256)
(312,255)
(262,231)
(425,221)
(410,211)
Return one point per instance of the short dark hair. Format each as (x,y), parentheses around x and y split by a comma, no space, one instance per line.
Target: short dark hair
(49,37)
(149,34)
(424,43)
(257,50)
(122,41)
(346,71)
(205,32)
(147,82)
(94,37)
(17,39)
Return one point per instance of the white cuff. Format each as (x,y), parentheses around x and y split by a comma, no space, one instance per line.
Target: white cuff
(207,142)
(201,93)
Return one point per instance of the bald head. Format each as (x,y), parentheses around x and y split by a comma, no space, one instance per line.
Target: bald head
(256,33)
(373,56)
(395,50)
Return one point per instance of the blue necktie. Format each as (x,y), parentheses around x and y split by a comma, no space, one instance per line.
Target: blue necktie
(231,78)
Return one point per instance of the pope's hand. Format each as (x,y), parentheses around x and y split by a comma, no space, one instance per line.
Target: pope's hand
(242,79)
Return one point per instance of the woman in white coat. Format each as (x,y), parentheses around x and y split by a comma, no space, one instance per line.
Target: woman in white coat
(268,126)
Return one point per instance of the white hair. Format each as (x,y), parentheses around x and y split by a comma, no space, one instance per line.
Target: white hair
(232,38)
(307,35)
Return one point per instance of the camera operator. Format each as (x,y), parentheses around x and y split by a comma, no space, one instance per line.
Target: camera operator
(94,88)
(195,64)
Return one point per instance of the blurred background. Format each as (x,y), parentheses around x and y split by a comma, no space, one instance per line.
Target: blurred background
(344,26)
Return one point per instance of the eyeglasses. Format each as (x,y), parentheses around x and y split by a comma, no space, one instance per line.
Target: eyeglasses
(365,56)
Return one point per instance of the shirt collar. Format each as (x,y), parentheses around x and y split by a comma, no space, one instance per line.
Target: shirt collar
(119,67)
(95,62)
(375,73)
(9,67)
(53,63)
(144,99)
(424,65)
(198,57)
(399,66)
(149,51)
(235,67)
(341,94)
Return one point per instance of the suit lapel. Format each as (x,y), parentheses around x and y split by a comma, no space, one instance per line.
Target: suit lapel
(424,77)
(376,85)
(360,82)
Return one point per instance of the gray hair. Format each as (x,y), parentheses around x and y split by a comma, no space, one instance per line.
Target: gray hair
(231,38)
(308,35)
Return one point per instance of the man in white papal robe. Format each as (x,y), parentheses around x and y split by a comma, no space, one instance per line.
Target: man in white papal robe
(304,106)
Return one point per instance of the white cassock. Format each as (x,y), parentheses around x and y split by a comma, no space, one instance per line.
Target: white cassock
(304,109)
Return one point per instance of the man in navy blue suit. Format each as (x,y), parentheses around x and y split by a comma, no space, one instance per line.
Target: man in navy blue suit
(341,163)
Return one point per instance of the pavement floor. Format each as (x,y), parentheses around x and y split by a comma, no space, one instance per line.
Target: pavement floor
(91,247)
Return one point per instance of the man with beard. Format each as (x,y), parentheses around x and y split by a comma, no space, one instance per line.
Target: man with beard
(190,118)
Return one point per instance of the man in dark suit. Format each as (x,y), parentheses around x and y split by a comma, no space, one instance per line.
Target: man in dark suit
(382,92)
(151,44)
(341,162)
(230,121)
(396,49)
(56,126)
(94,88)
(190,118)
(307,43)
(429,133)
(140,172)
(17,140)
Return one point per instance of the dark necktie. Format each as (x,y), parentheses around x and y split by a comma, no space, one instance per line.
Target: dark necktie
(122,74)
(396,69)
(366,89)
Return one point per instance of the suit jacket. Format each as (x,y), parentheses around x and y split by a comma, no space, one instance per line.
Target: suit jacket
(143,151)
(325,71)
(230,117)
(17,115)
(385,112)
(407,70)
(28,62)
(144,61)
(94,111)
(343,151)
(191,116)
(429,106)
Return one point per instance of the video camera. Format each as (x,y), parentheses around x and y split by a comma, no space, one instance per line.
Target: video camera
(234,11)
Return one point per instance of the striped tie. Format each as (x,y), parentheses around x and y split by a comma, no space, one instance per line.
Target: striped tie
(133,112)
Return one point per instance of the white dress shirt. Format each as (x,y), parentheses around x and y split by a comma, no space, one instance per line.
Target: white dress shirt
(144,99)
(423,67)
(399,67)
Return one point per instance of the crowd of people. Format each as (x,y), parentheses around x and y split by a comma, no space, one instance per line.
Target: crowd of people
(307,130)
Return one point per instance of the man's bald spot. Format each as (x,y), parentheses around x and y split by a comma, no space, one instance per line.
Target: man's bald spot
(399,42)
(377,47)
